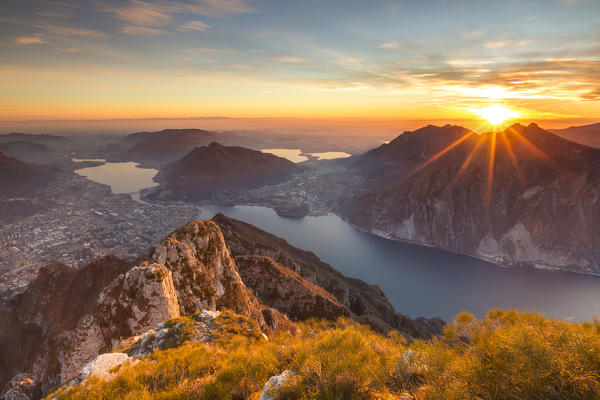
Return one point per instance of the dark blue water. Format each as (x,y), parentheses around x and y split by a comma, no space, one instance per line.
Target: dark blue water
(423,281)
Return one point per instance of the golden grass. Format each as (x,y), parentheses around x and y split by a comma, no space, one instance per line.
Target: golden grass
(507,355)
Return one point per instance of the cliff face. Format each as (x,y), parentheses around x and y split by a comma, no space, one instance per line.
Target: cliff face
(67,317)
(217,168)
(522,197)
(365,302)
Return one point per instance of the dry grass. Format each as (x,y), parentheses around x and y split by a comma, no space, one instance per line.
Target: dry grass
(507,355)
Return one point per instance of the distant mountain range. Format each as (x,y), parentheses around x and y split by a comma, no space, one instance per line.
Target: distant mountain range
(522,197)
(208,170)
(45,139)
(588,135)
(19,182)
(164,146)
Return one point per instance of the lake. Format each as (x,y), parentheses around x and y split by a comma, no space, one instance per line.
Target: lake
(122,177)
(419,281)
(296,155)
(424,281)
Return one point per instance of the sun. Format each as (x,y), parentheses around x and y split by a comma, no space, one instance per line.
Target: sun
(496,114)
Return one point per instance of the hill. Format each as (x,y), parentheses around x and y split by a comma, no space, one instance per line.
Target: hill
(521,197)
(161,147)
(215,168)
(588,135)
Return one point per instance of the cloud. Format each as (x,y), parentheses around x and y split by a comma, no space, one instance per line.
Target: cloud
(290,59)
(390,45)
(474,33)
(161,13)
(65,31)
(56,13)
(29,40)
(497,44)
(141,31)
(138,12)
(193,26)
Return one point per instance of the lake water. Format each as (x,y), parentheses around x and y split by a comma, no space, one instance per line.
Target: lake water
(122,177)
(296,155)
(419,281)
(423,281)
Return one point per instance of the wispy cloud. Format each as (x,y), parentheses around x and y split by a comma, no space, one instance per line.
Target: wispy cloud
(497,44)
(29,40)
(193,26)
(138,12)
(390,45)
(140,30)
(473,33)
(161,13)
(66,31)
(290,59)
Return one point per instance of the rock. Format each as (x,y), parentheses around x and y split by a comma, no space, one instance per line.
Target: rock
(539,208)
(367,302)
(137,301)
(21,387)
(170,334)
(205,275)
(274,384)
(103,365)
(283,289)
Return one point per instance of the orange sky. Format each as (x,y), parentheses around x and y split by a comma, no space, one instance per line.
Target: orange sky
(260,63)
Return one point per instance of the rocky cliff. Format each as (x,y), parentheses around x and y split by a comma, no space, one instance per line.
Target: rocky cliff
(67,317)
(521,197)
(365,302)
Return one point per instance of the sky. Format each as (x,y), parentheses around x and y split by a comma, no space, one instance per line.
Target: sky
(262,60)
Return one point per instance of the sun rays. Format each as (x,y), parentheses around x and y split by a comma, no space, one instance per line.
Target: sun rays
(514,144)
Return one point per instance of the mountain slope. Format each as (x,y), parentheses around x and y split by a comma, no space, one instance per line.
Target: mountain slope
(206,170)
(66,317)
(588,135)
(534,203)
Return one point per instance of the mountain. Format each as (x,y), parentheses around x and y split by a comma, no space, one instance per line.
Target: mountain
(19,183)
(215,168)
(43,139)
(164,146)
(588,135)
(66,317)
(26,150)
(10,165)
(367,302)
(521,197)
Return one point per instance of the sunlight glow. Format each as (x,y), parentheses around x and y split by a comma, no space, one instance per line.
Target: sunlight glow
(496,114)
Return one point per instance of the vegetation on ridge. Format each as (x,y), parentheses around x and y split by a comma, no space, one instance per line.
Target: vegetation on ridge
(506,355)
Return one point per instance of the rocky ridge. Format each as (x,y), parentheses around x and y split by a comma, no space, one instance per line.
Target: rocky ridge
(67,317)
(521,197)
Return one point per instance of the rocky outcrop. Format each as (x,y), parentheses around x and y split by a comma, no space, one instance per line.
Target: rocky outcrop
(522,197)
(283,289)
(67,317)
(366,302)
(204,273)
(137,301)
(275,383)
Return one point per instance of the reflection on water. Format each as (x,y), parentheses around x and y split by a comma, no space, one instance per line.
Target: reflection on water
(294,155)
(329,155)
(88,159)
(426,281)
(124,177)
